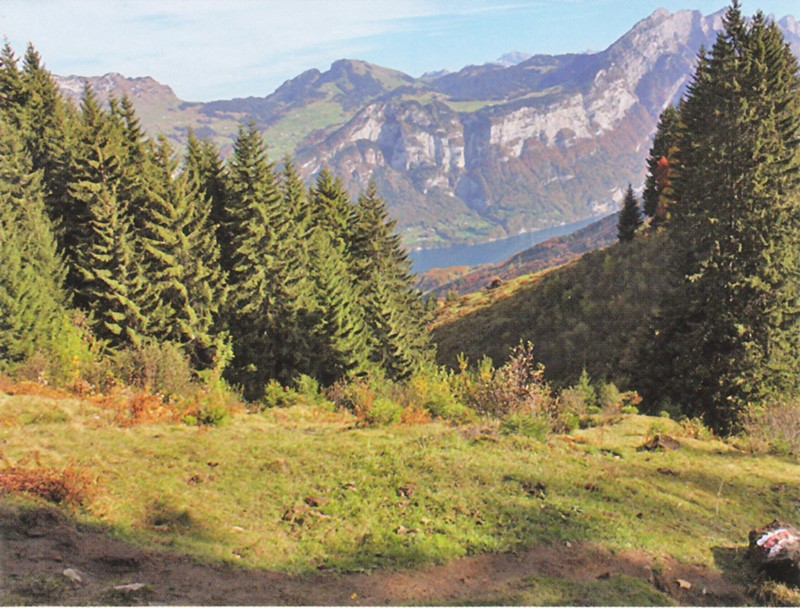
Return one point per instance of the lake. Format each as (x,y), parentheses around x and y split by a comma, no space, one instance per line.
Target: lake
(490,252)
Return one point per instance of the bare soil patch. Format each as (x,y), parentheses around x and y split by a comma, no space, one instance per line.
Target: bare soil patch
(38,545)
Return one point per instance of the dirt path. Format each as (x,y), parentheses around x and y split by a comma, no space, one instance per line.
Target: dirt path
(36,547)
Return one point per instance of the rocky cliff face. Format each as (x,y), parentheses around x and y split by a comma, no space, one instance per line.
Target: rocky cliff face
(482,153)
(495,150)
(140,90)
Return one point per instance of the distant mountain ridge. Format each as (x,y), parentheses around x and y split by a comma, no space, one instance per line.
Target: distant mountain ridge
(468,156)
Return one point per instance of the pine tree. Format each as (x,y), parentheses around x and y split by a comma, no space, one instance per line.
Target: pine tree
(661,166)
(106,271)
(11,87)
(204,167)
(261,313)
(331,206)
(182,259)
(32,300)
(732,330)
(138,169)
(340,336)
(394,312)
(630,217)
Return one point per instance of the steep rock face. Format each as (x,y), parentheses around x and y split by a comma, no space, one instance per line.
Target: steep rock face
(542,142)
(545,141)
(482,153)
(142,90)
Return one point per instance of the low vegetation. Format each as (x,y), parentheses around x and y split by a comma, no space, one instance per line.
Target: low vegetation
(309,486)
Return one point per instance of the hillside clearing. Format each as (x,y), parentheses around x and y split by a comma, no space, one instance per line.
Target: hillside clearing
(303,506)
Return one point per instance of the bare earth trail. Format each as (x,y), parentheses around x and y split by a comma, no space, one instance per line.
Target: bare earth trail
(41,544)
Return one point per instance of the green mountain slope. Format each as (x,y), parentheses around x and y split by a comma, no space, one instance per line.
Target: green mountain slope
(586,314)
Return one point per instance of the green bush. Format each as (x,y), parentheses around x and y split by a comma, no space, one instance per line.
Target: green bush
(383,412)
(277,395)
(155,367)
(517,386)
(609,397)
(521,423)
(579,398)
(431,389)
(210,415)
(307,390)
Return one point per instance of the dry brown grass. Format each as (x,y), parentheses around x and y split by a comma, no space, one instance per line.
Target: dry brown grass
(74,486)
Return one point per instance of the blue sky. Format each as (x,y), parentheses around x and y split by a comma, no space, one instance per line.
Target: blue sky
(215,49)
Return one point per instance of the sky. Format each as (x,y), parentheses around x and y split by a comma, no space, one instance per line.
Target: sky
(221,49)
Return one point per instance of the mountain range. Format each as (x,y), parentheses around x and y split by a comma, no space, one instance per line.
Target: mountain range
(520,144)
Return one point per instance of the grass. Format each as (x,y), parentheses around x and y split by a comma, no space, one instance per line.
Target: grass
(614,591)
(284,136)
(301,489)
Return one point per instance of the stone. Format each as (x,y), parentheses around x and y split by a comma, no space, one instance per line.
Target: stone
(775,548)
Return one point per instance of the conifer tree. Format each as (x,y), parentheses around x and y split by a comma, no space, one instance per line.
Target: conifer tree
(11,87)
(732,331)
(204,167)
(182,259)
(630,217)
(32,300)
(138,170)
(394,312)
(661,166)
(331,206)
(106,271)
(340,336)
(260,314)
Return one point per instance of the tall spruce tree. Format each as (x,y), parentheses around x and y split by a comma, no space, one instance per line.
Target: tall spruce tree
(331,206)
(661,166)
(204,166)
(731,334)
(394,312)
(182,259)
(261,313)
(338,329)
(106,271)
(32,300)
(630,217)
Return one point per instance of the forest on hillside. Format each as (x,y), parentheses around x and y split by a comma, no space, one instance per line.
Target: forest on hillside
(127,264)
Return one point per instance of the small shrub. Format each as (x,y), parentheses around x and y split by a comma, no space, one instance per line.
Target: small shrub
(773,428)
(657,428)
(356,395)
(609,398)
(73,486)
(630,409)
(132,408)
(213,415)
(277,395)
(383,412)
(521,423)
(566,422)
(308,391)
(695,428)
(414,414)
(517,386)
(432,390)
(156,367)
(212,403)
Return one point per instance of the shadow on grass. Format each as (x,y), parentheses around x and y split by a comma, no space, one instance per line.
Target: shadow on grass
(43,542)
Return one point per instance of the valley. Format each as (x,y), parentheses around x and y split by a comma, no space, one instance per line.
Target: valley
(524,333)
(471,156)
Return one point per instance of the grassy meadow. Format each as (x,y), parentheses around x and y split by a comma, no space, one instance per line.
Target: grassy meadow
(305,489)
